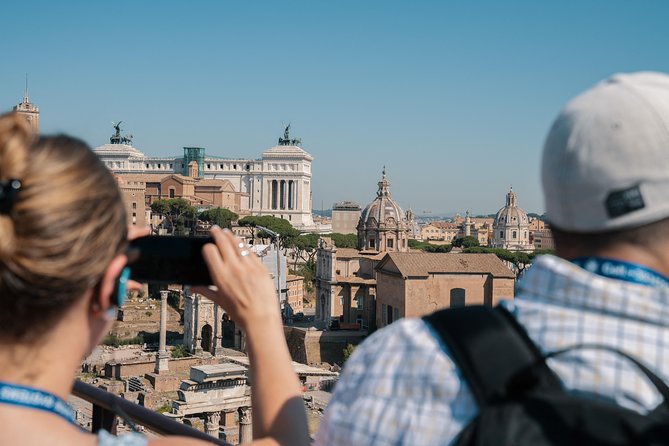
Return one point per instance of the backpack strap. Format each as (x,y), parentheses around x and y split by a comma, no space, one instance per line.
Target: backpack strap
(493,352)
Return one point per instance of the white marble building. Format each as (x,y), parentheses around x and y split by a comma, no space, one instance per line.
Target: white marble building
(277,184)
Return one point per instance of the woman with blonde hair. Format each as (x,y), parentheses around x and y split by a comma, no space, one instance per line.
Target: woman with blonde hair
(62,241)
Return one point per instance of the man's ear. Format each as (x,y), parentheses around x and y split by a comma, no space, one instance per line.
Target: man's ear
(108,283)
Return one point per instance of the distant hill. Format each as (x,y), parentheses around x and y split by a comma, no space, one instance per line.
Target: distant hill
(430,217)
(322,213)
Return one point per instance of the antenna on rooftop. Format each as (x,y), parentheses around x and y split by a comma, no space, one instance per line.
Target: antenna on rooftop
(25,93)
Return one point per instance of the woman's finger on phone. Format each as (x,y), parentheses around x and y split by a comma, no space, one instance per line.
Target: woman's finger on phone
(226,245)
(212,257)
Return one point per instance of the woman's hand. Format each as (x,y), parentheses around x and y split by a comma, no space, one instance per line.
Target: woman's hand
(244,287)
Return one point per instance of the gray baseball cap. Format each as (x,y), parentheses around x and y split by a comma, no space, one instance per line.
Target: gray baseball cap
(605,163)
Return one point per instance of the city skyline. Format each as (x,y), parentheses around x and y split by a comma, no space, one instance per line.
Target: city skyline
(454,100)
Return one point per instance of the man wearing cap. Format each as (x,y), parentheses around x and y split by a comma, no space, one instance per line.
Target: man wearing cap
(605,174)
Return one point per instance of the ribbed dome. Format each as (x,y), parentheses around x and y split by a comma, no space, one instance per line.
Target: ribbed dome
(383,212)
(511,214)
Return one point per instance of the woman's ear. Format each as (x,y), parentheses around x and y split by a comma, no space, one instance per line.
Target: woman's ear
(103,301)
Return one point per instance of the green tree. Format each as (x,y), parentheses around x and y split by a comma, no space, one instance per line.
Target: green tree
(282,227)
(178,212)
(219,216)
(344,240)
(348,351)
(308,271)
(428,247)
(304,246)
(466,242)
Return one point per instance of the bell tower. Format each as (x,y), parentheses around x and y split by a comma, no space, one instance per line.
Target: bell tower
(28,110)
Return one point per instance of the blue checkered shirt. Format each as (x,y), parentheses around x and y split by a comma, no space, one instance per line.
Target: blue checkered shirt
(400,387)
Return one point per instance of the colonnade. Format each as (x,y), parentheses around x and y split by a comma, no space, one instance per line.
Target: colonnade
(212,424)
(283,194)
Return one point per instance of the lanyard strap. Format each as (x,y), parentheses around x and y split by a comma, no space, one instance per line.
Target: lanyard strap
(618,269)
(31,398)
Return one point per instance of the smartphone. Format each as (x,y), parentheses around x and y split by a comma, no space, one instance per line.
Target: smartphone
(169,259)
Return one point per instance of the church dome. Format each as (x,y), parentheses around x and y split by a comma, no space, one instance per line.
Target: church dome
(383,226)
(383,211)
(511,226)
(511,214)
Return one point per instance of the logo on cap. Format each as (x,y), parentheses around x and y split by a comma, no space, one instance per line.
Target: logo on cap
(624,201)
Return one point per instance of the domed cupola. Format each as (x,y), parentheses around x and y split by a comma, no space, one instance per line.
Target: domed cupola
(383,226)
(511,226)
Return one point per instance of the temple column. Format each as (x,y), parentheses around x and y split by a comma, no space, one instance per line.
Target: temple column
(162,363)
(212,421)
(245,427)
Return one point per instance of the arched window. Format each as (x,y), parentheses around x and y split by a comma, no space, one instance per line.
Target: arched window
(514,234)
(457,297)
(206,338)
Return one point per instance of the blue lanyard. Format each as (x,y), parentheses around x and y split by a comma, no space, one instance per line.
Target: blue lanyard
(618,269)
(35,399)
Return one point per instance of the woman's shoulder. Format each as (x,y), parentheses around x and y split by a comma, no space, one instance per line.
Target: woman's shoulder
(133,439)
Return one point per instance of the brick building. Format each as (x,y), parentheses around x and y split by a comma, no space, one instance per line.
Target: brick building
(414,284)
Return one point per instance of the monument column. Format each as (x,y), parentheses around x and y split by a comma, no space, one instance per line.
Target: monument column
(245,427)
(217,347)
(162,357)
(212,421)
(197,334)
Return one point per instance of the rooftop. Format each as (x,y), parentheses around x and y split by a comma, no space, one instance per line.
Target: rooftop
(422,264)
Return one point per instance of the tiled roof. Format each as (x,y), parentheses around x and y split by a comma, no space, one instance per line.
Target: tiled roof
(214,182)
(443,225)
(421,264)
(348,253)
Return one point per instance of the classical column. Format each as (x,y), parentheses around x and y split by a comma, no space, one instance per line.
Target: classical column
(197,334)
(291,194)
(212,421)
(217,347)
(162,357)
(245,428)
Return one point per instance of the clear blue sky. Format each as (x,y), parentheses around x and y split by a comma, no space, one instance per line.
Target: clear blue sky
(455,98)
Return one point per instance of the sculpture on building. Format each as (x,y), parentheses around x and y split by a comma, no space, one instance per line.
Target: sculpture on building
(286,141)
(117,138)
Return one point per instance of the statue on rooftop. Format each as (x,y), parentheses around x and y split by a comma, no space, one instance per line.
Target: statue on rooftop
(286,141)
(117,138)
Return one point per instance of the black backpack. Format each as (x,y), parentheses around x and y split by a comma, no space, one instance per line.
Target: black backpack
(522,401)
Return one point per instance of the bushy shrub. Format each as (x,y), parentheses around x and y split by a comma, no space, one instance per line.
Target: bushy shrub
(180,351)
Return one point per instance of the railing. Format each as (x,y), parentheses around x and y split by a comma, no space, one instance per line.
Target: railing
(106,407)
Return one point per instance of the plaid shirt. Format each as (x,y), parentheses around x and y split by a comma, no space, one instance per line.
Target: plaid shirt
(401,387)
